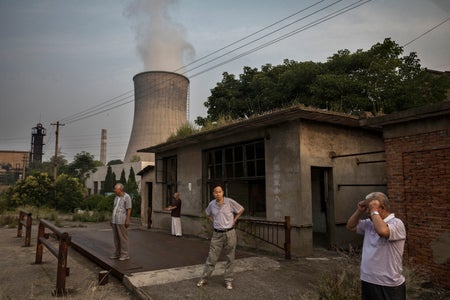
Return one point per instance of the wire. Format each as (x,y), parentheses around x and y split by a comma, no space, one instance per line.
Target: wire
(108,105)
(426,32)
(298,30)
(127,97)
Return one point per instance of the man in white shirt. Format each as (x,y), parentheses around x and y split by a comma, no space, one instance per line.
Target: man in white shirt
(119,222)
(382,255)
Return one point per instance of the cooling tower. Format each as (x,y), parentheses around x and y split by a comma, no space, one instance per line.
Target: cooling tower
(160,101)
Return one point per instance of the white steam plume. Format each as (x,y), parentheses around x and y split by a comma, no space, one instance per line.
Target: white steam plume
(161,41)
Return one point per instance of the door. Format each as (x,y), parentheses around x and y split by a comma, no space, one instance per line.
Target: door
(321,191)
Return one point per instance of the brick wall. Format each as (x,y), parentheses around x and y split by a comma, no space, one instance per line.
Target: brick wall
(418,176)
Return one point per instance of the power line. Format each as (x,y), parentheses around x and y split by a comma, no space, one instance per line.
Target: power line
(298,30)
(426,32)
(108,105)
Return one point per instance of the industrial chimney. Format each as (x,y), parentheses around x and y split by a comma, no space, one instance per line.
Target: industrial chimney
(160,103)
(103,147)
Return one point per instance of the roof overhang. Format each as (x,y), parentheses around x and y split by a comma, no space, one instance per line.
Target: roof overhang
(272,118)
(413,114)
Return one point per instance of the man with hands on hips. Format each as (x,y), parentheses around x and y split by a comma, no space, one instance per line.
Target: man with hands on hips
(382,254)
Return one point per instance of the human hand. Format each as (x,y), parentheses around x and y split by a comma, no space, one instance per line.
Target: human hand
(362,206)
(374,205)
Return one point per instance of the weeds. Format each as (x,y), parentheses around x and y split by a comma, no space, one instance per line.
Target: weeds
(341,282)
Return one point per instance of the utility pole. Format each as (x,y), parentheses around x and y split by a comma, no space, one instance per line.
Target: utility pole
(55,161)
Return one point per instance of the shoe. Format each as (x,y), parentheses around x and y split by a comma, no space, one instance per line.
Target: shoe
(114,256)
(201,282)
(228,285)
(122,258)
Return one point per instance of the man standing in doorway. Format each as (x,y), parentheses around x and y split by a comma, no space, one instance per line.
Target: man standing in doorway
(384,241)
(120,222)
(224,213)
(175,213)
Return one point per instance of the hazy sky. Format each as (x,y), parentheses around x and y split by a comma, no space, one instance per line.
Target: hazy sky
(61,59)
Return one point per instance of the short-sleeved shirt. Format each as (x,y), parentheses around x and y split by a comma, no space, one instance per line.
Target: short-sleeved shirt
(223,215)
(121,204)
(176,212)
(382,261)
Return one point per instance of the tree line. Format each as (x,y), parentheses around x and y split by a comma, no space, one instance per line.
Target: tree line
(68,192)
(379,80)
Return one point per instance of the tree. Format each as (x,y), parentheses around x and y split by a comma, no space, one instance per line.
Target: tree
(37,167)
(37,190)
(69,193)
(109,181)
(123,178)
(379,80)
(115,162)
(82,164)
(132,189)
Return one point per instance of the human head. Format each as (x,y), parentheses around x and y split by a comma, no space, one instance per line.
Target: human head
(218,192)
(384,201)
(176,195)
(118,188)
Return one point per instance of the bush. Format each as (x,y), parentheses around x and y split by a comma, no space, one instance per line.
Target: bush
(91,202)
(106,204)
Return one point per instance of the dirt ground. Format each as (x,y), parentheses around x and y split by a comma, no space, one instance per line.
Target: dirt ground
(300,278)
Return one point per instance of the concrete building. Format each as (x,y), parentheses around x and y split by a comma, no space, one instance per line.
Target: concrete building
(305,163)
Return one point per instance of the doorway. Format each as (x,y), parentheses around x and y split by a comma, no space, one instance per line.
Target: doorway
(321,192)
(149,204)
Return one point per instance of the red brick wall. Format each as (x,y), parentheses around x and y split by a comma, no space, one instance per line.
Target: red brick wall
(418,176)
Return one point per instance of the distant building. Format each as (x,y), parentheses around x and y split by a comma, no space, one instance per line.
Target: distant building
(12,166)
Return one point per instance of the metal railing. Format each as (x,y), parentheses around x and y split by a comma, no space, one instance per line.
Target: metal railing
(61,253)
(27,223)
(276,233)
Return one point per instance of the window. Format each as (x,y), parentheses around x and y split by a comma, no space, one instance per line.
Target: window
(166,170)
(95,187)
(241,168)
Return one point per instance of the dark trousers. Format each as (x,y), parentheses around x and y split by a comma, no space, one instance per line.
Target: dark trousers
(370,291)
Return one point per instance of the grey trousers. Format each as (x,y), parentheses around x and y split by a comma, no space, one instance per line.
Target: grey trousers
(226,241)
(120,234)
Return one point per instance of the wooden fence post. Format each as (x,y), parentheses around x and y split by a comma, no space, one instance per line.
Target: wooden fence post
(27,224)
(39,246)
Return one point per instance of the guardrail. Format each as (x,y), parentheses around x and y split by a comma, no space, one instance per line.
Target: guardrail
(27,223)
(61,253)
(276,233)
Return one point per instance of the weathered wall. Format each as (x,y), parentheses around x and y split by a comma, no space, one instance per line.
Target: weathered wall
(351,180)
(418,175)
